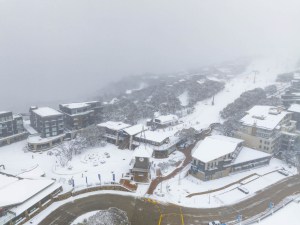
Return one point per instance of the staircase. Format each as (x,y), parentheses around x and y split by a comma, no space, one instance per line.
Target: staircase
(124,144)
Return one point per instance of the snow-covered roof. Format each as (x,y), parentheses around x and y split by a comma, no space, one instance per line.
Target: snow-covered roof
(156,136)
(135,129)
(15,191)
(143,151)
(36,139)
(75,105)
(214,79)
(265,117)
(112,125)
(2,112)
(46,111)
(294,108)
(166,119)
(249,154)
(35,199)
(214,147)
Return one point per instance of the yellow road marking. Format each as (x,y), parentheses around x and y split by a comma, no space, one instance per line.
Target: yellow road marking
(160,218)
(181,215)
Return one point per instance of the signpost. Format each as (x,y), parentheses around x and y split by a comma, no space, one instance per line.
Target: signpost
(271,206)
(239,218)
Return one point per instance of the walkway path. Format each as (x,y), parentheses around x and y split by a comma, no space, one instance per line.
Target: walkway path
(188,159)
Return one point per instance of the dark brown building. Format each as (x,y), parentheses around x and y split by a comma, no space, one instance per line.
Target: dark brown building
(81,115)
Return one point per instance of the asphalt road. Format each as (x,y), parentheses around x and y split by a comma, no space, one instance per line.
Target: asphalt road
(143,212)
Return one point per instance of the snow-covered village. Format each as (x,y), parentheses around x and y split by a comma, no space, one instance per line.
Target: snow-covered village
(218,144)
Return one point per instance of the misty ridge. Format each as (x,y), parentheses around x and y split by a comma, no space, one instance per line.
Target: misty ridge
(71,51)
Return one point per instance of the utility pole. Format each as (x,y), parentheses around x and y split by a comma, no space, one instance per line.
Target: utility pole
(255,73)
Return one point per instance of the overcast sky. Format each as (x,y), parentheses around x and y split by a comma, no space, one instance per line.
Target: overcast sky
(53,50)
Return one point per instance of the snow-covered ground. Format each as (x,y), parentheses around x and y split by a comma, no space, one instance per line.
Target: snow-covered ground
(83,168)
(287,215)
(177,189)
(184,98)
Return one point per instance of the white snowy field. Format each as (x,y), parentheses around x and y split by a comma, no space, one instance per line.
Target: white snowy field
(177,189)
(205,113)
(85,169)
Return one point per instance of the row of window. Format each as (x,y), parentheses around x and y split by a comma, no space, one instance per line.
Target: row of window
(5,118)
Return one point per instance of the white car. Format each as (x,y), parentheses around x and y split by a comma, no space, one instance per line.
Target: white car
(217,222)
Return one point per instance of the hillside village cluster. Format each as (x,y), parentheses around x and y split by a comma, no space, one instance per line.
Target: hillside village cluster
(154,149)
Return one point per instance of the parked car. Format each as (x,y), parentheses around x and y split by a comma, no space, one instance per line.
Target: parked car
(243,189)
(283,172)
(216,222)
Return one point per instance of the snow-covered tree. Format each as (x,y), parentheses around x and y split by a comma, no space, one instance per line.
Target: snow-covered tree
(112,216)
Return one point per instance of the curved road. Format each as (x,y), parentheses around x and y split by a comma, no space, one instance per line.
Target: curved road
(142,212)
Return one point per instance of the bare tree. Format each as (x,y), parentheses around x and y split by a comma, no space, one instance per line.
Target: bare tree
(91,136)
(69,148)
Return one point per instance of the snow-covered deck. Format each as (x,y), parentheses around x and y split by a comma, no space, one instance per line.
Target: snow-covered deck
(36,139)
(248,154)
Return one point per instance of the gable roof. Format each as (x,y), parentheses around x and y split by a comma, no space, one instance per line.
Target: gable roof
(214,147)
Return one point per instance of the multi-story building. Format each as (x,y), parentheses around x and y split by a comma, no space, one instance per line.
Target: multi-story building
(49,123)
(162,142)
(295,110)
(165,121)
(217,156)
(130,137)
(263,126)
(292,95)
(113,131)
(11,128)
(81,115)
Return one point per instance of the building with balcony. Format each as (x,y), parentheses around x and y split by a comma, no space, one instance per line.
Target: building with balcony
(292,95)
(217,156)
(162,142)
(295,110)
(165,121)
(112,131)
(11,128)
(81,115)
(262,128)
